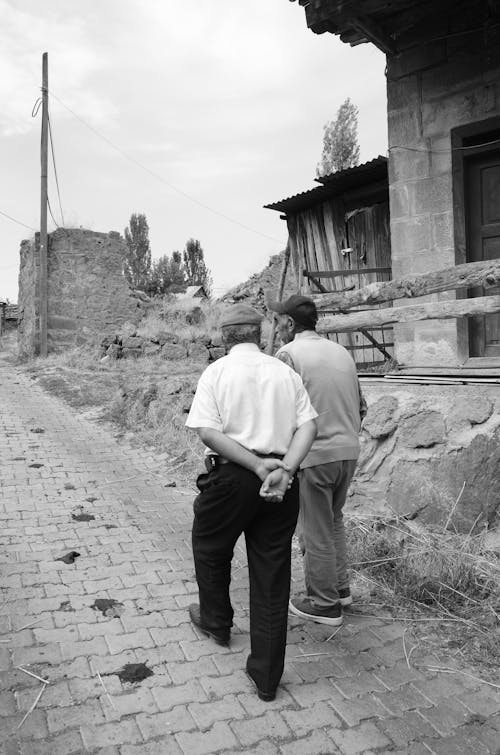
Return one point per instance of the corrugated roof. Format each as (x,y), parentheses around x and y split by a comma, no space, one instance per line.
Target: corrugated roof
(190,293)
(333,185)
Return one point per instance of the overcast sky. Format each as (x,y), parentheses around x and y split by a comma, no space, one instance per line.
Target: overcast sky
(225,100)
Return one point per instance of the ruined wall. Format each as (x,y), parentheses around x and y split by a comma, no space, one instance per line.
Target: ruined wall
(88,295)
(426,446)
(431,90)
(27,333)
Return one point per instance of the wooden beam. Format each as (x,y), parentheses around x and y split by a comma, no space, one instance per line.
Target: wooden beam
(375,34)
(281,287)
(346,272)
(370,318)
(468,275)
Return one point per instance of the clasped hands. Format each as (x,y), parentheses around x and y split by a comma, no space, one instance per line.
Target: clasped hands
(276,479)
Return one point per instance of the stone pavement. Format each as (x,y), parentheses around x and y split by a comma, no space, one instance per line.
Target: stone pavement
(351,693)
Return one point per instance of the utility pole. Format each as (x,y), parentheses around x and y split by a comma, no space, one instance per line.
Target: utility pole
(43,209)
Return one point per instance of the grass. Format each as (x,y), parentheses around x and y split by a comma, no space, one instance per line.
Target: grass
(449,583)
(146,400)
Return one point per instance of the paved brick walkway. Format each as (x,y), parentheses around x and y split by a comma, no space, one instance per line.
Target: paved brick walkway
(352,693)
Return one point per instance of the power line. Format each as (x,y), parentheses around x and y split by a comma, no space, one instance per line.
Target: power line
(19,222)
(444,151)
(163,180)
(55,172)
(51,213)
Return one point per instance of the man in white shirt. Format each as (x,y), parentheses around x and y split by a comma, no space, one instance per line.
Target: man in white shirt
(254,415)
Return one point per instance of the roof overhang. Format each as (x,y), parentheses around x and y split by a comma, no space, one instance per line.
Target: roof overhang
(396,25)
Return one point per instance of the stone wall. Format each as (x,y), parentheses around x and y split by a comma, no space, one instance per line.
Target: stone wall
(87,293)
(425,447)
(431,91)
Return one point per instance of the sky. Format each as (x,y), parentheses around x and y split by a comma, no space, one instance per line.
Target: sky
(195,113)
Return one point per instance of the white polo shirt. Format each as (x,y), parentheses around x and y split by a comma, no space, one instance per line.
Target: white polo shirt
(252,398)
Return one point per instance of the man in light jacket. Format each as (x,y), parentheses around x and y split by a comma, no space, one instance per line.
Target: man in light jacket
(329,375)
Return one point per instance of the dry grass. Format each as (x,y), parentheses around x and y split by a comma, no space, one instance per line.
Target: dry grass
(173,316)
(146,400)
(170,315)
(445,578)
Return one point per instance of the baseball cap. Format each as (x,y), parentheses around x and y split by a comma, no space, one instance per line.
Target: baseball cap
(301,308)
(240,314)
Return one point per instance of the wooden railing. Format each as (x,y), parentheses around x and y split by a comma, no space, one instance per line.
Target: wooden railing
(469,275)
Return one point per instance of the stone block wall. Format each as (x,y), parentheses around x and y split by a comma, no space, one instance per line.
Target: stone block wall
(87,293)
(431,452)
(431,91)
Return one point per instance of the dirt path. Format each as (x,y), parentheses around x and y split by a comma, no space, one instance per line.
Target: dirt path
(67,486)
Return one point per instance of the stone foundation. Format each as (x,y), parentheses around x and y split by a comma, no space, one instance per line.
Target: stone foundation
(88,294)
(431,452)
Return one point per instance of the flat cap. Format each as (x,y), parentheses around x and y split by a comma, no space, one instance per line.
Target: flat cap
(301,308)
(240,314)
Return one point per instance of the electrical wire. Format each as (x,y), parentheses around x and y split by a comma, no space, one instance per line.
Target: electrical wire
(51,213)
(444,151)
(55,173)
(36,107)
(19,222)
(161,179)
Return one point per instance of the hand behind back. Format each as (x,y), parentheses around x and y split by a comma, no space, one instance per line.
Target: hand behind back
(275,485)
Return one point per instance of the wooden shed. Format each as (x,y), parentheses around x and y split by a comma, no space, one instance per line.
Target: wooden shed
(339,236)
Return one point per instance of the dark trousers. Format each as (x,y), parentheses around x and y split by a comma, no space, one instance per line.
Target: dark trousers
(228,505)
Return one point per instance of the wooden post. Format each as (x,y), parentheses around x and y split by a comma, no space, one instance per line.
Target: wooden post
(43,305)
(284,268)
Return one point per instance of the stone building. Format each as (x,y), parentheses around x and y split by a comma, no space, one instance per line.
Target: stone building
(431,444)
(88,295)
(443,100)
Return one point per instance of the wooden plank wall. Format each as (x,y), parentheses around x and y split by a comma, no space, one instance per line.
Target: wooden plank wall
(317,237)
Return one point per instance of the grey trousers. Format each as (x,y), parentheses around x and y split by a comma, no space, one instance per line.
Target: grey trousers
(323,491)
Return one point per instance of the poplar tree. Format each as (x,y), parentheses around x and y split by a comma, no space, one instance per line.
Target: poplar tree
(340,141)
(195,268)
(137,264)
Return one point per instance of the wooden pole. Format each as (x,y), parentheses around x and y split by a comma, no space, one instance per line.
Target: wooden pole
(374,318)
(467,275)
(281,287)
(43,304)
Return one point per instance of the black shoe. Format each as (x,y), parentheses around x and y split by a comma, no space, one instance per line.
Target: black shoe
(266,697)
(332,615)
(345,597)
(221,636)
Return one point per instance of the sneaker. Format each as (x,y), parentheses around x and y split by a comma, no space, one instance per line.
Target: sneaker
(221,636)
(266,697)
(305,608)
(345,597)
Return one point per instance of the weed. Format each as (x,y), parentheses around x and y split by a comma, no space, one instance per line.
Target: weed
(415,569)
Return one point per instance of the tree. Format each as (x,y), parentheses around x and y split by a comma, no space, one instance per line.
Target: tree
(340,141)
(137,265)
(195,268)
(167,275)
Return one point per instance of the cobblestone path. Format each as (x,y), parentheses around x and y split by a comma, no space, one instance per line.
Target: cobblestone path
(352,693)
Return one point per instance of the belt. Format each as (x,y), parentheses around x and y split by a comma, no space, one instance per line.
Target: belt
(212,461)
